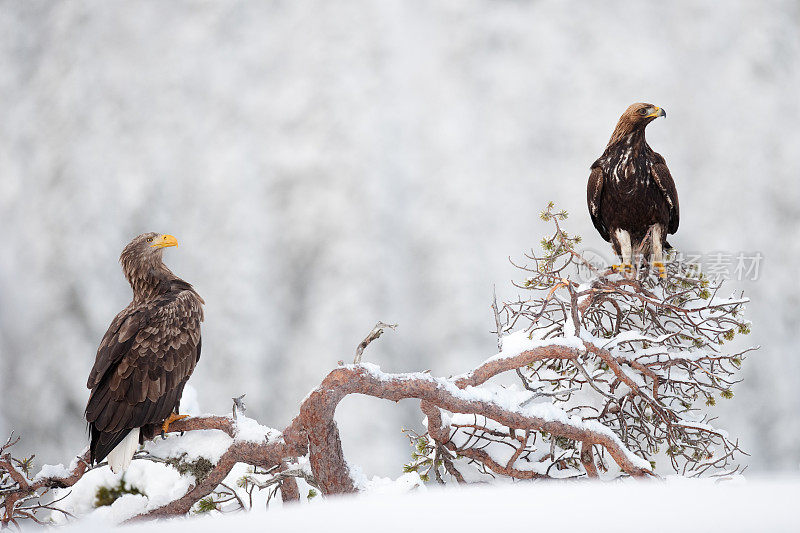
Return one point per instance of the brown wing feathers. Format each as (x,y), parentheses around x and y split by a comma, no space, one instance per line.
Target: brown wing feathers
(594,192)
(144,384)
(663,178)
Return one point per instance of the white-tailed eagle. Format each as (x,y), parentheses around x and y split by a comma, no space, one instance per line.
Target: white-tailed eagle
(145,357)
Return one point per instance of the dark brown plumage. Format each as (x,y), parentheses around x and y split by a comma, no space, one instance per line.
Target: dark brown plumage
(146,356)
(630,188)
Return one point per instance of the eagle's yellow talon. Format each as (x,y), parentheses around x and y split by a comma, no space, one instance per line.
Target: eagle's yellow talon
(172,418)
(662,270)
(626,269)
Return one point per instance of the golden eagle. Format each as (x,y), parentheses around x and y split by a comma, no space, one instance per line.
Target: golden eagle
(631,191)
(145,357)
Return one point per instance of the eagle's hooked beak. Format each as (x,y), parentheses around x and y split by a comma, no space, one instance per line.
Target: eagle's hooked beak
(657,112)
(163,241)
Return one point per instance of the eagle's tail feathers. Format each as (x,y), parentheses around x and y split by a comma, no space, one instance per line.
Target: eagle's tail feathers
(119,458)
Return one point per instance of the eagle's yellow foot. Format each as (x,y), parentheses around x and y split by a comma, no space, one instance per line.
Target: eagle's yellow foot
(172,418)
(624,268)
(660,268)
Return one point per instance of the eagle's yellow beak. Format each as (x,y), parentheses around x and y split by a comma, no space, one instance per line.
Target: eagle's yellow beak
(163,241)
(657,112)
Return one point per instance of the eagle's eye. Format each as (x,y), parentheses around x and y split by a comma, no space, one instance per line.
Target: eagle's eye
(643,111)
(150,239)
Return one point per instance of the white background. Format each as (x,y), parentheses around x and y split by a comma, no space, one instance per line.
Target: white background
(327,165)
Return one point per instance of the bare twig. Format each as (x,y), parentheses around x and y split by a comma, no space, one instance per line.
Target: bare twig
(376,332)
(238,406)
(497,322)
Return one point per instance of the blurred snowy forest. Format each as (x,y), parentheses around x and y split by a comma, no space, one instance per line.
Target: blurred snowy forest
(326,165)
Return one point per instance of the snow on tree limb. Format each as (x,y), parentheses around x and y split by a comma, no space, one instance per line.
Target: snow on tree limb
(613,376)
(315,432)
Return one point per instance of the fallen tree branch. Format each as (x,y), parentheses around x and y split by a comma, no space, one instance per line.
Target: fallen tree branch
(265,455)
(314,432)
(325,450)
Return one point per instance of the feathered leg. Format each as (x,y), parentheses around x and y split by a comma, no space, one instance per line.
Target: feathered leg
(658,254)
(625,251)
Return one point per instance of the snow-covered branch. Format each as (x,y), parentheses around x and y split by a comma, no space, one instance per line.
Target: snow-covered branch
(314,431)
(613,376)
(22,495)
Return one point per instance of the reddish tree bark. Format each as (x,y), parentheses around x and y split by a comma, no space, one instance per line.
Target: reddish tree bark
(314,432)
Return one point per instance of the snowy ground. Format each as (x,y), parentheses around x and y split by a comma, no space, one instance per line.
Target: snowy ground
(678,505)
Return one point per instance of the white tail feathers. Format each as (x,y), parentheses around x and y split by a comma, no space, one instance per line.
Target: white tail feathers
(120,457)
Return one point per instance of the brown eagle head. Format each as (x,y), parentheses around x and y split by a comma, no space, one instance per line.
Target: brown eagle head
(636,117)
(141,258)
